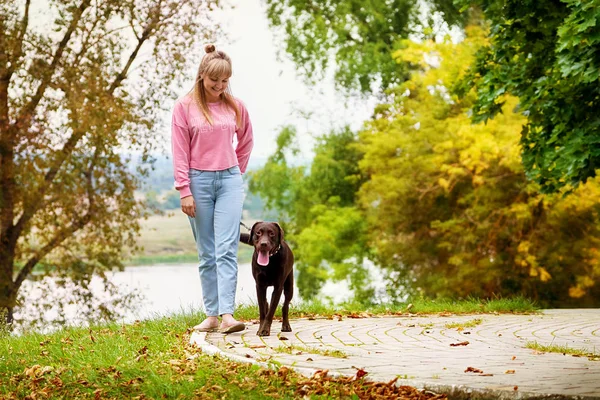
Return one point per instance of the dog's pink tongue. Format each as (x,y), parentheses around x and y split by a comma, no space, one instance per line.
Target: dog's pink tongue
(263,258)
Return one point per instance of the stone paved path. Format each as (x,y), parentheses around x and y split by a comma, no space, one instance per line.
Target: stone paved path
(418,350)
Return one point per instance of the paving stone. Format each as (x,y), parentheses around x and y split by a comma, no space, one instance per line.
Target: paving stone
(418,351)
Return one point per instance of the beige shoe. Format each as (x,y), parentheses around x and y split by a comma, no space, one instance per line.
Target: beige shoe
(237,327)
(199,328)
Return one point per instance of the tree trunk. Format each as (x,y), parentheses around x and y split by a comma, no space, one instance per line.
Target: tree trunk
(6,318)
(7,288)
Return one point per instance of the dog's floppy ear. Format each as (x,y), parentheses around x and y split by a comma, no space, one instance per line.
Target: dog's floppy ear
(252,231)
(280,232)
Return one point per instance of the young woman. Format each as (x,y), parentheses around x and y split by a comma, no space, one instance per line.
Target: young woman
(208,169)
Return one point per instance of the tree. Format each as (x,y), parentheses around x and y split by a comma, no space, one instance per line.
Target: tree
(548,54)
(359,35)
(76,93)
(450,212)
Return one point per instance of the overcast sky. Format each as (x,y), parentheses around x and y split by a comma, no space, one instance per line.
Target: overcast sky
(272,89)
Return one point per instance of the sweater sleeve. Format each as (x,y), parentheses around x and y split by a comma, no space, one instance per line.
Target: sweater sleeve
(245,139)
(180,146)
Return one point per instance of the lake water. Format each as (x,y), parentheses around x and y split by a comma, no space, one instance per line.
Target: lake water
(165,289)
(172,288)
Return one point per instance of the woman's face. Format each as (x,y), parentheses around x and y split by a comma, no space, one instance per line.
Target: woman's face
(214,86)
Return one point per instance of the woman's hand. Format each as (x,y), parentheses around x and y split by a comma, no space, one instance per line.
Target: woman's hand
(188,206)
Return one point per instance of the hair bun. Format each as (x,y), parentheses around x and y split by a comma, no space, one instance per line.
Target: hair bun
(209,48)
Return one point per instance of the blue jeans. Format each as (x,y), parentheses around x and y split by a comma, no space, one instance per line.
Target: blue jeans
(219,197)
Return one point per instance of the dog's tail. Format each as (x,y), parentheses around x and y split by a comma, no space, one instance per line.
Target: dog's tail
(245,238)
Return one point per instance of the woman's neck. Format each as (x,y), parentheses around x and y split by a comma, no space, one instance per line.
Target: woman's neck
(210,99)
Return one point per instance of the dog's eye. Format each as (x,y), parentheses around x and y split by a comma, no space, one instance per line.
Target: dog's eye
(271,234)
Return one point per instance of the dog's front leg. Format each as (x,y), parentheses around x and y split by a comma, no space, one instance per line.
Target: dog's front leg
(263,306)
(265,326)
(288,291)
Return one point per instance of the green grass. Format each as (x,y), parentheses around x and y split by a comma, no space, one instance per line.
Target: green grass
(424,306)
(295,349)
(553,348)
(318,309)
(461,325)
(154,359)
(148,360)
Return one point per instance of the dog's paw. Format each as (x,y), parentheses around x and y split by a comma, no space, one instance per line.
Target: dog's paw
(286,328)
(263,332)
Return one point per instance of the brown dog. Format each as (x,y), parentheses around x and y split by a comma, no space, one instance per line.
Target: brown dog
(272,265)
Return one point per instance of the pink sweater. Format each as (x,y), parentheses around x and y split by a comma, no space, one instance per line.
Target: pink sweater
(199,145)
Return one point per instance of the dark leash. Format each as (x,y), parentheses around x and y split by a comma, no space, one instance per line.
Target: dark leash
(244,225)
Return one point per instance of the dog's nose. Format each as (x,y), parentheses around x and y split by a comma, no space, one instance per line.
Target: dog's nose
(263,244)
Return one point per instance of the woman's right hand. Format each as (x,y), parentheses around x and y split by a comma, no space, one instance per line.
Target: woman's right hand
(188,206)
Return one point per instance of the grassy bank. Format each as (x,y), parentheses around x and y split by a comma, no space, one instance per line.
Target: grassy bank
(167,239)
(244,256)
(153,359)
(316,309)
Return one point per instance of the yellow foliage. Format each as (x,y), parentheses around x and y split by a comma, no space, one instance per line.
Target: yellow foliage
(576,292)
(443,183)
(544,275)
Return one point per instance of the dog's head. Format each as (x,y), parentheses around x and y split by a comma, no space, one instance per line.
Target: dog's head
(266,237)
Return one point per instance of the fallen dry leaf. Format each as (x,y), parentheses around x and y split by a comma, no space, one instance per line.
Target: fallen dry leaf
(360,373)
(475,370)
(353,387)
(510,371)
(459,344)
(283,338)
(514,358)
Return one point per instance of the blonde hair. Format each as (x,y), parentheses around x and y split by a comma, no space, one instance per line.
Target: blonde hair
(214,64)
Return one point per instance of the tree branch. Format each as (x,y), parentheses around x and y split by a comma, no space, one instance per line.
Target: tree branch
(7,180)
(26,113)
(67,232)
(60,237)
(17,49)
(145,35)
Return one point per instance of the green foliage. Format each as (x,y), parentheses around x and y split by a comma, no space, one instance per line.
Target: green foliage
(449,209)
(275,181)
(360,35)
(547,53)
(333,246)
(72,106)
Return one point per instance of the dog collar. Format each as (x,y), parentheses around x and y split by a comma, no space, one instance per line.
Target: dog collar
(276,251)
